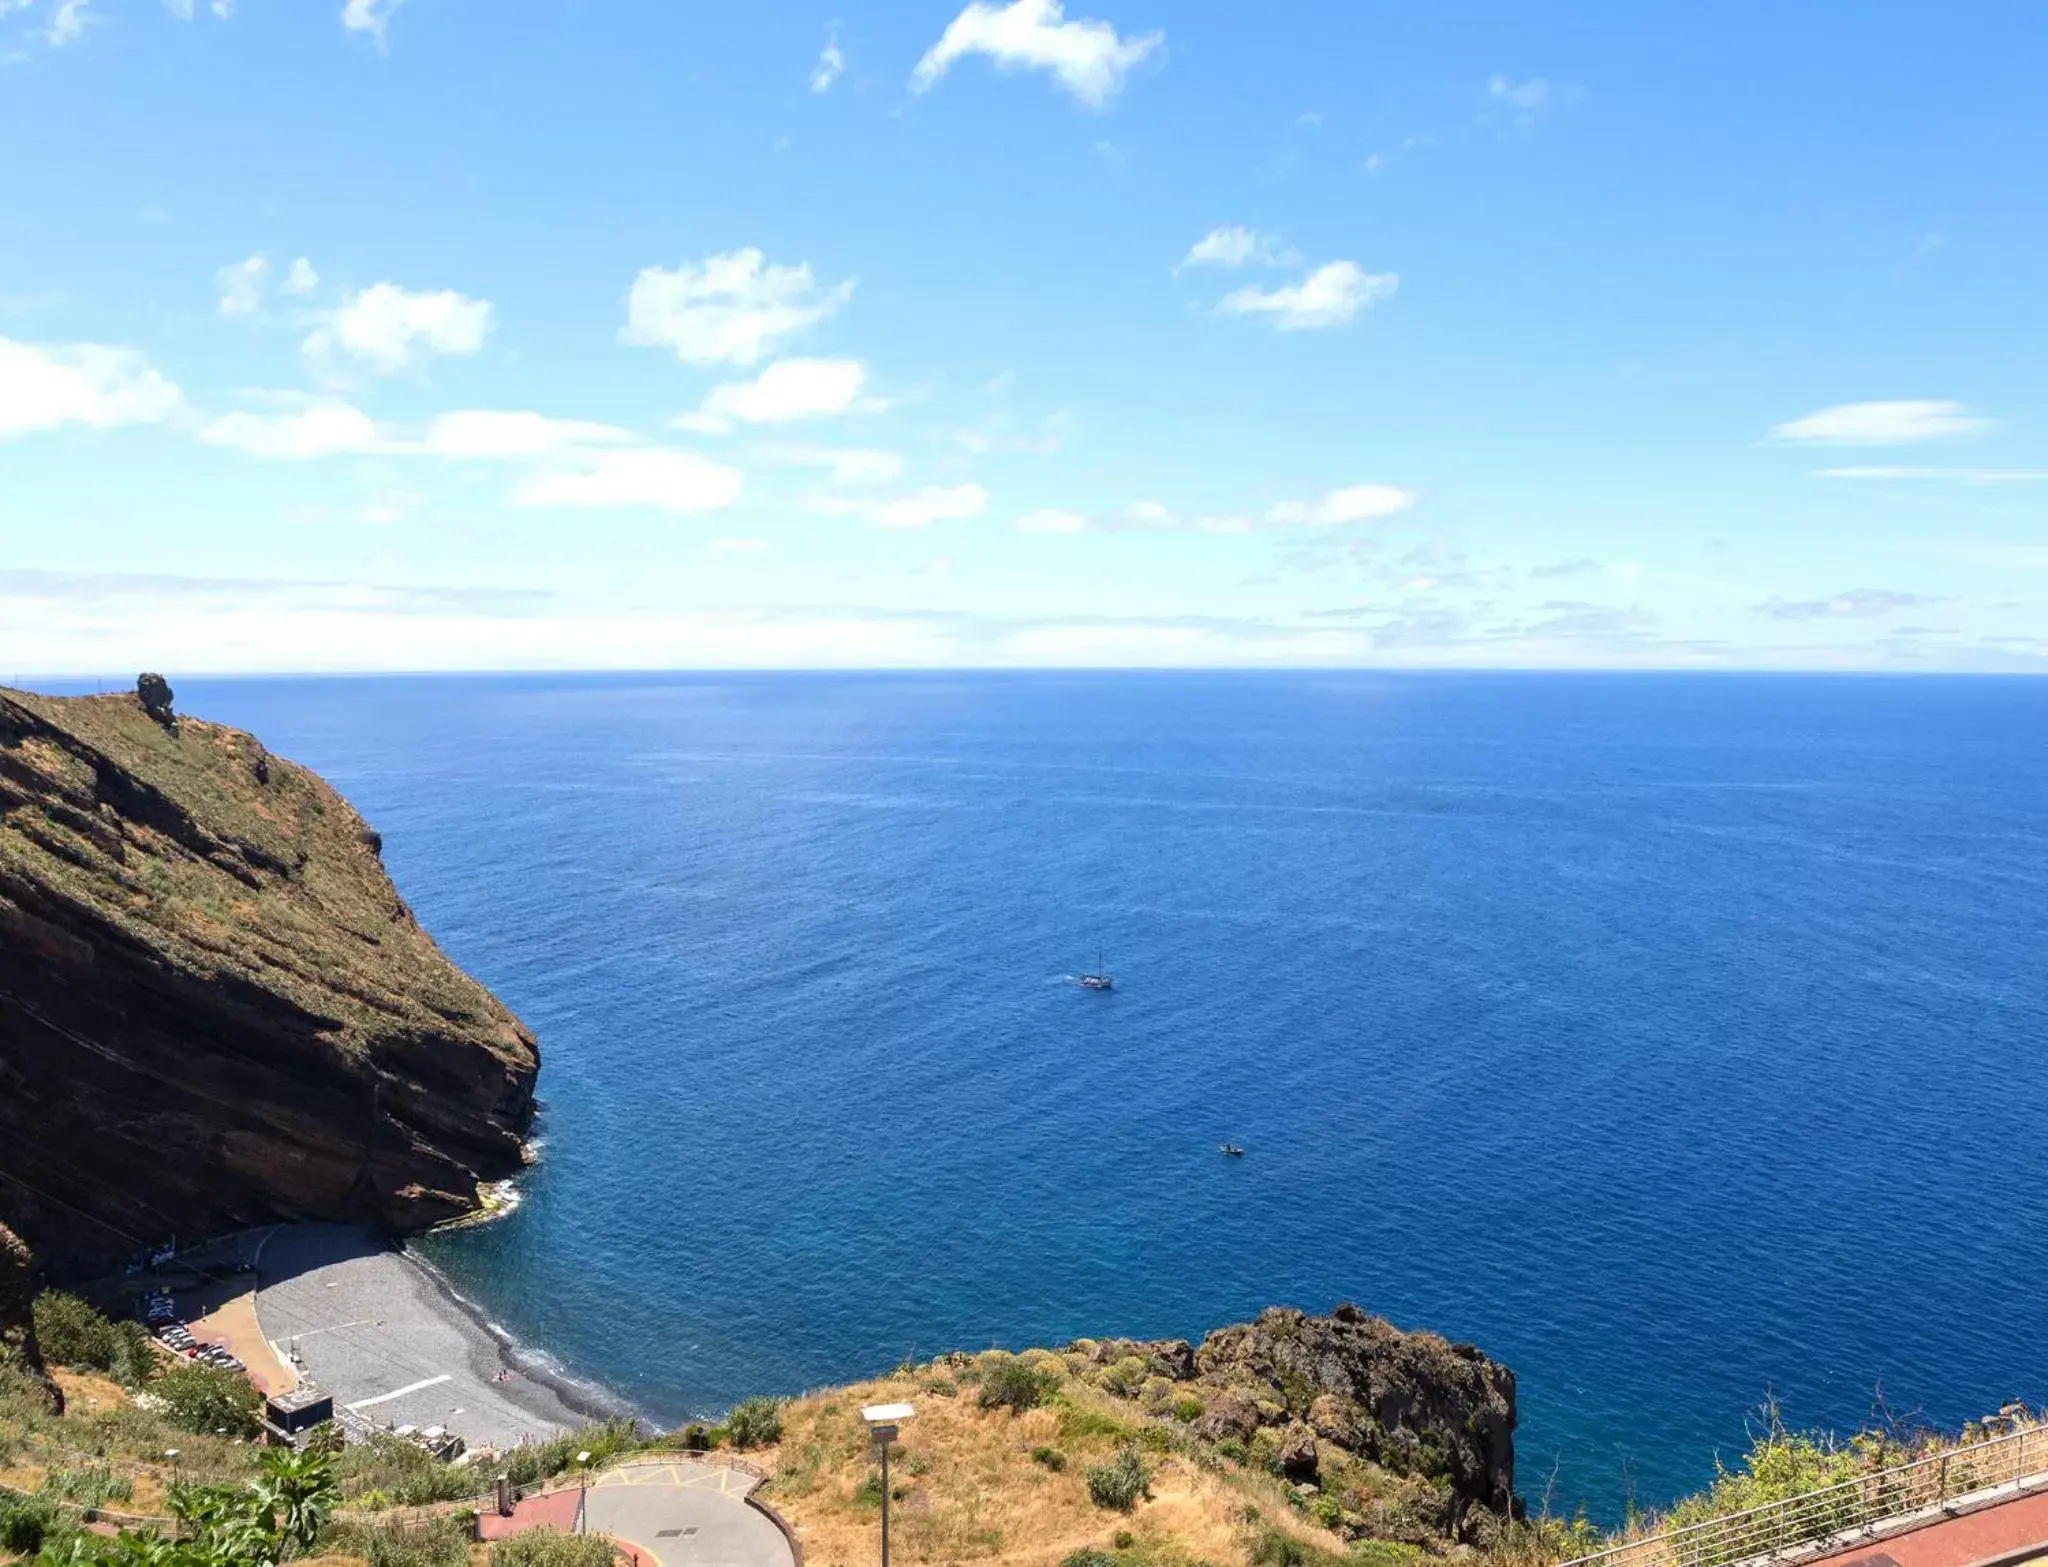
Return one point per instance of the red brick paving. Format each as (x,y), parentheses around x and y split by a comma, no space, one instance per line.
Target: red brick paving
(1956,1542)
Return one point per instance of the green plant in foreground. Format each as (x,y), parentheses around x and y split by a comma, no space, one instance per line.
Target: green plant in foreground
(755,1422)
(429,1542)
(1119,1485)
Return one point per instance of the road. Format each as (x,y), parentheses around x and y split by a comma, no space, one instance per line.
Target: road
(673,1512)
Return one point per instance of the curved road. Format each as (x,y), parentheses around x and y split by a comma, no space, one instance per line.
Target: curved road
(675,1512)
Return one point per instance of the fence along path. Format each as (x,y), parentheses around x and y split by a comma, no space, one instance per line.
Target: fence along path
(1798,1526)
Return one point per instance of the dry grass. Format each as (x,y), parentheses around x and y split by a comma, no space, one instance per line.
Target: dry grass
(967,1488)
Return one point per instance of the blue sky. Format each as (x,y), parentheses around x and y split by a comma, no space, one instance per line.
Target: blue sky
(423,334)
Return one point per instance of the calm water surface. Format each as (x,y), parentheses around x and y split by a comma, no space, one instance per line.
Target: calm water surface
(1677,1039)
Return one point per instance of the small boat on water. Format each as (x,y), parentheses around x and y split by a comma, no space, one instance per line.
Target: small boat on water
(1232,1149)
(1097,978)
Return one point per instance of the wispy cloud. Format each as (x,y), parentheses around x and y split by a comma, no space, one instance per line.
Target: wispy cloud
(1898,422)
(1328,297)
(45,386)
(1523,104)
(726,309)
(1857,604)
(1236,246)
(1941,475)
(1085,57)
(831,63)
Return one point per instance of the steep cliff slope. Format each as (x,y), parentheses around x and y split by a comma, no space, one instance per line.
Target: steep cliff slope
(214,1007)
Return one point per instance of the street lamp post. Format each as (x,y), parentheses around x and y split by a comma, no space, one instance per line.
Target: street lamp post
(582,1493)
(883,1421)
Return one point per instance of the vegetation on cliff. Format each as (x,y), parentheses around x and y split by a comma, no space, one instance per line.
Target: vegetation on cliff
(214,1007)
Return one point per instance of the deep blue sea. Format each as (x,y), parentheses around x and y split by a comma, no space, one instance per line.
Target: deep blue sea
(1678,1039)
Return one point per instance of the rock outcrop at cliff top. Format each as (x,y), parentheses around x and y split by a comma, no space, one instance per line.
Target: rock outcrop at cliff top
(214,1007)
(17,1316)
(1318,1393)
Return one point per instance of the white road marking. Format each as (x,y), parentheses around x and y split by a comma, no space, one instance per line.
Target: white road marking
(385,1398)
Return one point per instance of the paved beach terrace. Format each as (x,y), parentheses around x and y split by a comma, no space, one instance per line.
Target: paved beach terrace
(374,1330)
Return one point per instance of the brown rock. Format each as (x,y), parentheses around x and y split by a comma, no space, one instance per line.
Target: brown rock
(1297,1452)
(214,1007)
(17,1316)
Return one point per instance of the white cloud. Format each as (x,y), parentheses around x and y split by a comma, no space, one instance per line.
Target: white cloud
(1237,246)
(934,503)
(1942,475)
(1329,296)
(1086,57)
(1896,423)
(849,464)
(661,479)
(82,383)
(68,23)
(301,279)
(830,64)
(1053,521)
(369,16)
(1522,104)
(788,390)
(1359,503)
(241,286)
(490,433)
(387,328)
(183,10)
(727,309)
(323,430)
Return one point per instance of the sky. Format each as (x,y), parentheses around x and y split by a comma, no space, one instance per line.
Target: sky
(363,335)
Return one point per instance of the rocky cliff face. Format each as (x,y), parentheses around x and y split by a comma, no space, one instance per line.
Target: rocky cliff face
(1407,1434)
(214,1007)
(17,1318)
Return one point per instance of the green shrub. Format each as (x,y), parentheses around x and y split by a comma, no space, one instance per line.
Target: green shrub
(942,1387)
(71,1333)
(1087,1558)
(1122,1484)
(1123,1539)
(1014,1386)
(27,1521)
(869,1492)
(204,1400)
(603,1441)
(1126,1377)
(1051,1457)
(1386,1553)
(755,1422)
(401,1472)
(91,1487)
(1327,1511)
(1188,1407)
(546,1548)
(1078,1425)
(426,1542)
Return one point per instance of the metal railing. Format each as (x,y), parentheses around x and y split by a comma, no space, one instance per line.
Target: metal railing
(1792,1526)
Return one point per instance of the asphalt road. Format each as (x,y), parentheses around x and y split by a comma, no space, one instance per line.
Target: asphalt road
(685,1514)
(372,1328)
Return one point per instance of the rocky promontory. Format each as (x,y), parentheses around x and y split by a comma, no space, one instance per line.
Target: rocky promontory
(215,1009)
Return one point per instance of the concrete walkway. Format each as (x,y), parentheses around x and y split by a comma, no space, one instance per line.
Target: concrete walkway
(669,1512)
(2007,1532)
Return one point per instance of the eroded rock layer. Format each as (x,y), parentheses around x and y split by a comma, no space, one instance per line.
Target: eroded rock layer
(214,1007)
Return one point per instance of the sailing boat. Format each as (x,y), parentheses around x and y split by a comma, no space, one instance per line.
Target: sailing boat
(1097,978)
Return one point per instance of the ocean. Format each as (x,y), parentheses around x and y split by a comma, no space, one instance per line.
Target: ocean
(1677,1039)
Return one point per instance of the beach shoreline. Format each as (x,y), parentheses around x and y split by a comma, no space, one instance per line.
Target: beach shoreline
(380,1328)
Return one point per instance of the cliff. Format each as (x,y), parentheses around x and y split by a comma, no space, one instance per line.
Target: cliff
(17,1318)
(215,1009)
(1344,1402)
(1292,1438)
